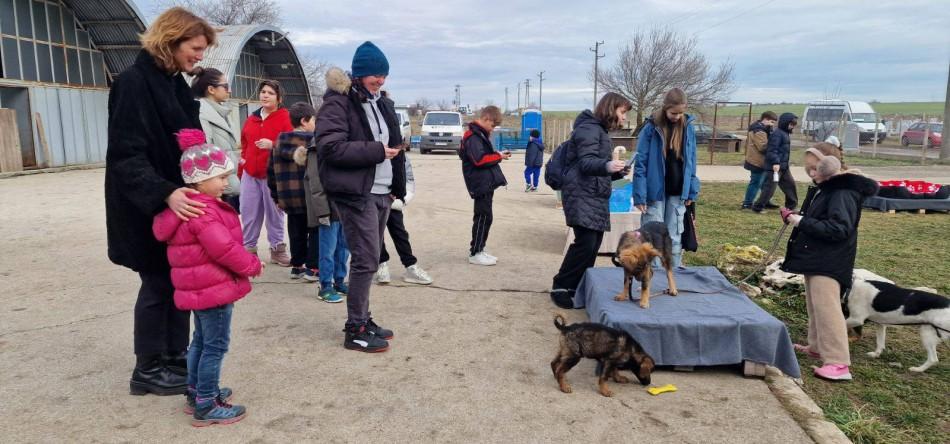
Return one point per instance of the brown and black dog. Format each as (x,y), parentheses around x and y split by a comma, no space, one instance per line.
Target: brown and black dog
(635,253)
(615,349)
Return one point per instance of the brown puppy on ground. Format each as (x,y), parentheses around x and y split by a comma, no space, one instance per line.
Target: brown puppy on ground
(615,349)
(635,253)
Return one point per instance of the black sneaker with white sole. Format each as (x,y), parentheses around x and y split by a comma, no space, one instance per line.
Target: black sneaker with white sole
(359,338)
(380,332)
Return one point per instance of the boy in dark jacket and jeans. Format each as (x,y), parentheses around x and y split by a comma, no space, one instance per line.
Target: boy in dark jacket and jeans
(756,143)
(285,178)
(776,158)
(533,159)
(482,175)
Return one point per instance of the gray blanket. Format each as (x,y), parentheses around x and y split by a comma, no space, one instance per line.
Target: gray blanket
(710,322)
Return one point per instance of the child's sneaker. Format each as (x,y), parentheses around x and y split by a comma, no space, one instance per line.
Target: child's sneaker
(481,258)
(297,272)
(342,288)
(381,332)
(382,274)
(804,349)
(311,274)
(833,372)
(329,295)
(527,188)
(359,338)
(213,411)
(279,255)
(224,395)
(416,275)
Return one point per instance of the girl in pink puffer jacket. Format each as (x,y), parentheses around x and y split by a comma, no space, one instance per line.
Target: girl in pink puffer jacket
(210,271)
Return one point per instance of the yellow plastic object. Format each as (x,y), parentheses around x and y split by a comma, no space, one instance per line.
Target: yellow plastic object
(662,389)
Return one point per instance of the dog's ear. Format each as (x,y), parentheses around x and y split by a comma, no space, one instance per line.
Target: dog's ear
(649,250)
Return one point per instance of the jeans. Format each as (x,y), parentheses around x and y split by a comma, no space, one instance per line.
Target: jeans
(670,211)
(208,346)
(756,179)
(256,207)
(363,228)
(333,254)
(531,175)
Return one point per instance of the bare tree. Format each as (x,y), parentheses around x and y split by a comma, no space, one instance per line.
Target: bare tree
(653,62)
(422,105)
(314,71)
(443,105)
(229,12)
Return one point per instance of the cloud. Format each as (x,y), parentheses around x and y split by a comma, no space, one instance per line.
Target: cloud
(325,37)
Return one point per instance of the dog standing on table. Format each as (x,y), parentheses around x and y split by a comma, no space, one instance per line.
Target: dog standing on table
(635,254)
(613,348)
(887,304)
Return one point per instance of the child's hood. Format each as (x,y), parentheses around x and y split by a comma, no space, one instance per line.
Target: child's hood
(784,120)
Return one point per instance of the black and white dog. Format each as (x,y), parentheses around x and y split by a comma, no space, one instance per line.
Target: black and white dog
(887,304)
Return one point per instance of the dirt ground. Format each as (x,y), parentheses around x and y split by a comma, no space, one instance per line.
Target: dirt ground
(469,363)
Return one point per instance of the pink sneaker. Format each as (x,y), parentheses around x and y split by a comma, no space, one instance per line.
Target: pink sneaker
(806,350)
(833,372)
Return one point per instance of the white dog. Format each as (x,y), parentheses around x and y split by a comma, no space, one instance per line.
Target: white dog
(887,304)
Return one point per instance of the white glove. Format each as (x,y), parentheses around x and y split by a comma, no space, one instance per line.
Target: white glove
(398,205)
(300,156)
(794,219)
(325,220)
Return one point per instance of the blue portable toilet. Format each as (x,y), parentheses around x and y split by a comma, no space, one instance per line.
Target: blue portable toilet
(530,120)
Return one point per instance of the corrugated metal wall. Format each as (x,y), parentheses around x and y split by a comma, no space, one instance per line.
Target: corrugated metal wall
(75,121)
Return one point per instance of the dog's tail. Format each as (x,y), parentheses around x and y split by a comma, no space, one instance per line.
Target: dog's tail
(560,322)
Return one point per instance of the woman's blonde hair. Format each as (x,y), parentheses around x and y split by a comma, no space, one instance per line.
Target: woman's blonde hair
(673,97)
(169,30)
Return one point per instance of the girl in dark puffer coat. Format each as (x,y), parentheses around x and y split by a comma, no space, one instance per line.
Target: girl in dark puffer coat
(823,247)
(588,172)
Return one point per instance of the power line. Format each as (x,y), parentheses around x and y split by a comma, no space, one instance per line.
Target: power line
(756,7)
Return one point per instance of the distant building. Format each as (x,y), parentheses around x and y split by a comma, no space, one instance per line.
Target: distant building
(57,60)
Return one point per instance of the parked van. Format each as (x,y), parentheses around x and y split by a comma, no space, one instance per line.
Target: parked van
(820,115)
(441,130)
(405,127)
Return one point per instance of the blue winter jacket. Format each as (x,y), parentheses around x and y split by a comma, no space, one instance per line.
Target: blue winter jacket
(650,165)
(780,143)
(534,153)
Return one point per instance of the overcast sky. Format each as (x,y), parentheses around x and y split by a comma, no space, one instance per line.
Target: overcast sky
(783,51)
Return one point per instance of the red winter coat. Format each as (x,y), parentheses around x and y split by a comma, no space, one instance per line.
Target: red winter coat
(210,266)
(253,159)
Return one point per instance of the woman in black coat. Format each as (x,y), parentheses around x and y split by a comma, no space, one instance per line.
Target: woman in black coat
(150,102)
(588,173)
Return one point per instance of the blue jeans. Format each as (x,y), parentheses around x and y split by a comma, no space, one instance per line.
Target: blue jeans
(756,178)
(531,175)
(671,212)
(208,346)
(333,254)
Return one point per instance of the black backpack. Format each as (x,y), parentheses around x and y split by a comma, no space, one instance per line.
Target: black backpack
(556,167)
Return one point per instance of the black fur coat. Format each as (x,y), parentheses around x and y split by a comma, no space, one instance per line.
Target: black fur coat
(147,106)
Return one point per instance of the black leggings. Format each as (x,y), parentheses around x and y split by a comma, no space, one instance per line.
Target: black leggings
(580,256)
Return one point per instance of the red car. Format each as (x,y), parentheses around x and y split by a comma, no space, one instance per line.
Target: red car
(915,134)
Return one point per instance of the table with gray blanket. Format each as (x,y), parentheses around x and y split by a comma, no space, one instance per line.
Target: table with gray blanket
(710,322)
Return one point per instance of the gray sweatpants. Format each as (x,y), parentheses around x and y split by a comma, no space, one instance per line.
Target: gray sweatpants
(364,230)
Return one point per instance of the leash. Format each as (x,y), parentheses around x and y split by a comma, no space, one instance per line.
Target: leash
(768,256)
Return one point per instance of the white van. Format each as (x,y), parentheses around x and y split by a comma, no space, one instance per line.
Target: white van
(821,114)
(405,128)
(441,130)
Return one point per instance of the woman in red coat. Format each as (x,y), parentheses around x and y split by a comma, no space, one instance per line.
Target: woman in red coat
(257,141)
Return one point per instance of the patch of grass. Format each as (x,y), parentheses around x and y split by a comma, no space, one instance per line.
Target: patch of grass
(887,109)
(886,403)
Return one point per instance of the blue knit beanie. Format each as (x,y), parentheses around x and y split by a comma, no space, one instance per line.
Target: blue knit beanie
(369,61)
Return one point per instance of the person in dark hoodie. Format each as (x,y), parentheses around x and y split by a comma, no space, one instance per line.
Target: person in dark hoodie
(482,176)
(533,159)
(776,158)
(823,246)
(589,170)
(756,143)
(362,169)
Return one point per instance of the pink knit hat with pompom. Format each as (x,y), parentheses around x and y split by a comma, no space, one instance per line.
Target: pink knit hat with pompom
(201,161)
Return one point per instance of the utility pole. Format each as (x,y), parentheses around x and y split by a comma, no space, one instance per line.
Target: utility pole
(458,96)
(506,100)
(945,144)
(540,89)
(527,95)
(597,56)
(519,98)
